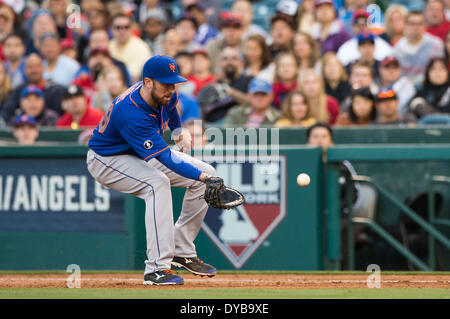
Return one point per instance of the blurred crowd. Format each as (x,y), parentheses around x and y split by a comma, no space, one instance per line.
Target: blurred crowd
(341,62)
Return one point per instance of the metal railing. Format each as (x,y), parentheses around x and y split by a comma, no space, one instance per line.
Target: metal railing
(433,233)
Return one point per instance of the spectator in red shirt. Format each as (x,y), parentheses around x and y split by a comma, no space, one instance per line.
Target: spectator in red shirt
(201,71)
(435,20)
(78,112)
(326,108)
(285,80)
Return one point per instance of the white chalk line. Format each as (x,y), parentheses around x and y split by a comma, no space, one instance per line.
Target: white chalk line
(203,280)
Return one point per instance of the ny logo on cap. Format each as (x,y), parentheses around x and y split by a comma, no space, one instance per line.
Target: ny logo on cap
(172,66)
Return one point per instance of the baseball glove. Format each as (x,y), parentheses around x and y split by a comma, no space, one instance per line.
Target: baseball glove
(219,196)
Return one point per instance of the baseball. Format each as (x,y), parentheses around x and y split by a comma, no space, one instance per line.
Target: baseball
(303,179)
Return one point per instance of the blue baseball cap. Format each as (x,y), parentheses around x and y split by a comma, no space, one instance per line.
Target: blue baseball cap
(259,85)
(31,89)
(24,119)
(162,68)
(366,37)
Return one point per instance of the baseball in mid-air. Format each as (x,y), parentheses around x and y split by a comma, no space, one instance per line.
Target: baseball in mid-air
(303,179)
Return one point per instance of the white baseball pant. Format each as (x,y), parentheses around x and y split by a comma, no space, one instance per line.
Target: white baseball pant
(152,181)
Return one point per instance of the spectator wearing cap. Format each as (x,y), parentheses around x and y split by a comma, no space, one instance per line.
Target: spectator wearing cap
(366,48)
(14,51)
(68,48)
(329,31)
(153,29)
(32,103)
(347,14)
(386,102)
(348,52)
(395,23)
(258,112)
(231,30)
(78,113)
(128,48)
(205,31)
(391,77)
(282,31)
(417,48)
(435,20)
(244,10)
(186,26)
(34,71)
(58,68)
(201,75)
(25,130)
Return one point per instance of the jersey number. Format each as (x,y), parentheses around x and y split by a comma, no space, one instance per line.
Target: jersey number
(105,120)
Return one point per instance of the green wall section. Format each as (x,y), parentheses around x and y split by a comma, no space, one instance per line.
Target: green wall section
(55,251)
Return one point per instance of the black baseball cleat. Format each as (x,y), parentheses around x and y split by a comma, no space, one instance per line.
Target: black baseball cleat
(163,277)
(194,265)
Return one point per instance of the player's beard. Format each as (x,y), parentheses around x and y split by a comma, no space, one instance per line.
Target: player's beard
(160,100)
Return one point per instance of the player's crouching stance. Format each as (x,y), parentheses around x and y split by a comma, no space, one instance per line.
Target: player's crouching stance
(128,154)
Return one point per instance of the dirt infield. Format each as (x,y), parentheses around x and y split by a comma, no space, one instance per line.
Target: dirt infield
(267,281)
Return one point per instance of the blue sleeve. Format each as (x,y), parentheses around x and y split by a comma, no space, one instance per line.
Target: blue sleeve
(144,139)
(176,164)
(174,117)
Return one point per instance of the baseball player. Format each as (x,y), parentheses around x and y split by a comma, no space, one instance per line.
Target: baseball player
(127,153)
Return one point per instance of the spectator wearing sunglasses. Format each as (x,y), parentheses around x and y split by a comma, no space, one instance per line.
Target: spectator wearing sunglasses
(386,103)
(128,48)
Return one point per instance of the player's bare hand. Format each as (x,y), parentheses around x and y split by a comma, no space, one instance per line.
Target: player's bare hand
(183,140)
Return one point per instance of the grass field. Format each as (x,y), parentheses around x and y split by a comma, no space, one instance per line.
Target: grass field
(235,293)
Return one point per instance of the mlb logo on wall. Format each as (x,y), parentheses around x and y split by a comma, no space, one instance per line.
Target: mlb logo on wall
(239,232)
